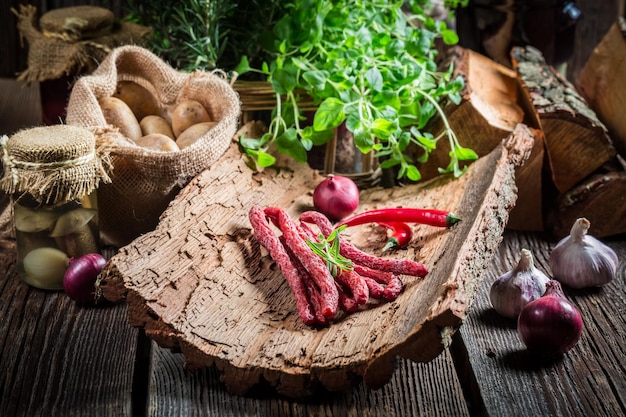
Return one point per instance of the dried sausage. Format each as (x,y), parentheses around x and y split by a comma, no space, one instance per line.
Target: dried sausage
(271,242)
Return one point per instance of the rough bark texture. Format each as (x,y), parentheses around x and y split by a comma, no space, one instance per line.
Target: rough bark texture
(202,284)
(602,82)
(577,143)
(601,199)
(488,112)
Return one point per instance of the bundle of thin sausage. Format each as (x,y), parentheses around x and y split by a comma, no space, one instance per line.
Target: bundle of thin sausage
(319,289)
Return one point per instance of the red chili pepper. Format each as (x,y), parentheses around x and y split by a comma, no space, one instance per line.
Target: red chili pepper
(400,237)
(431,217)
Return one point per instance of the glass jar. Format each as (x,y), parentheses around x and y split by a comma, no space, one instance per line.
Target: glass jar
(48,235)
(51,174)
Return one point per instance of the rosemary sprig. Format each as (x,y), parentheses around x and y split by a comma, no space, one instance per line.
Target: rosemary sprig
(328,249)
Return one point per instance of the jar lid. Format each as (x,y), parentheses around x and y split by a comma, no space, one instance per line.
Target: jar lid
(78,22)
(53,163)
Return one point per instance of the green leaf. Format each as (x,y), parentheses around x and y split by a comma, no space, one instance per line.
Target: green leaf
(329,115)
(316,79)
(250,143)
(383,128)
(289,144)
(317,138)
(465,154)
(283,81)
(389,163)
(450,37)
(363,140)
(413,173)
(264,159)
(374,79)
(243,66)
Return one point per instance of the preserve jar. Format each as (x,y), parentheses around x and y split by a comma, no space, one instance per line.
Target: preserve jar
(51,174)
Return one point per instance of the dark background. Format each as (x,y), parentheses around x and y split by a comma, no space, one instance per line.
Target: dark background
(598,16)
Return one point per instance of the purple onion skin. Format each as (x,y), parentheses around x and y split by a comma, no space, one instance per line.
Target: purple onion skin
(336,197)
(80,278)
(550,325)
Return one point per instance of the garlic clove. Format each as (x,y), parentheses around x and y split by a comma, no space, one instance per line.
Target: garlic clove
(519,286)
(581,261)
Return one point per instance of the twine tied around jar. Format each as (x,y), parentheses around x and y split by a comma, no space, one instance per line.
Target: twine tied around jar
(53,164)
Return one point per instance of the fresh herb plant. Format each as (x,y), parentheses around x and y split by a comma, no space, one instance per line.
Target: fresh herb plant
(328,248)
(206,34)
(369,64)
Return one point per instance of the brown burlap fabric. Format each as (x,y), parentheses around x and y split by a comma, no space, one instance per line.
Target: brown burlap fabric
(53,164)
(76,48)
(78,22)
(144,181)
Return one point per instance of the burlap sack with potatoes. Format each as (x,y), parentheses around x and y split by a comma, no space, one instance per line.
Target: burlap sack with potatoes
(144,181)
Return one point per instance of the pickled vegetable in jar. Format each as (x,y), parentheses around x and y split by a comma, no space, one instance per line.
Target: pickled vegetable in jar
(52,174)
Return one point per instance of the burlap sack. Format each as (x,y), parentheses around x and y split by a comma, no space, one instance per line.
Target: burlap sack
(144,181)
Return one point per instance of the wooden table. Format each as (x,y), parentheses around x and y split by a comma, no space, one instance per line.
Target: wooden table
(59,359)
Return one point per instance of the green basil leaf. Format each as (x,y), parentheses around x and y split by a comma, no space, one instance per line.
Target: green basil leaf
(329,114)
(264,159)
(465,154)
(363,140)
(374,79)
(383,128)
(283,81)
(413,173)
(316,79)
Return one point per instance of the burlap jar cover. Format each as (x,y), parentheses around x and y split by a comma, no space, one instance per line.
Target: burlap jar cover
(144,181)
(71,40)
(53,164)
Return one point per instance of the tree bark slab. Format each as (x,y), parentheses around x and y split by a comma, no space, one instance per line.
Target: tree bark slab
(200,282)
(492,104)
(602,82)
(577,143)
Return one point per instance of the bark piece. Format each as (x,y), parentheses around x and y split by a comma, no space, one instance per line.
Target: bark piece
(602,82)
(492,105)
(488,112)
(601,199)
(577,143)
(201,284)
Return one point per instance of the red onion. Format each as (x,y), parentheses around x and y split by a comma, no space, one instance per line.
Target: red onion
(80,277)
(551,324)
(336,197)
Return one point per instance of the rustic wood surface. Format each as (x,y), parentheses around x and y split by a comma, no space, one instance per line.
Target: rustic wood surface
(588,381)
(201,283)
(101,366)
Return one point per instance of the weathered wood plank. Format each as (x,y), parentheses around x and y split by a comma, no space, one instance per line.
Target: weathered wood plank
(588,380)
(57,358)
(416,389)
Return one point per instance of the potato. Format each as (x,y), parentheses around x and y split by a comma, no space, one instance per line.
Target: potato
(155,124)
(186,114)
(192,133)
(117,113)
(159,142)
(140,100)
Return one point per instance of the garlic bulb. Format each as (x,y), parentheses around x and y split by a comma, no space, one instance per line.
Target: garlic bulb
(580,260)
(517,287)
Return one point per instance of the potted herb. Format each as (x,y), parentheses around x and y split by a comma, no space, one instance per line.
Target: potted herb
(370,65)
